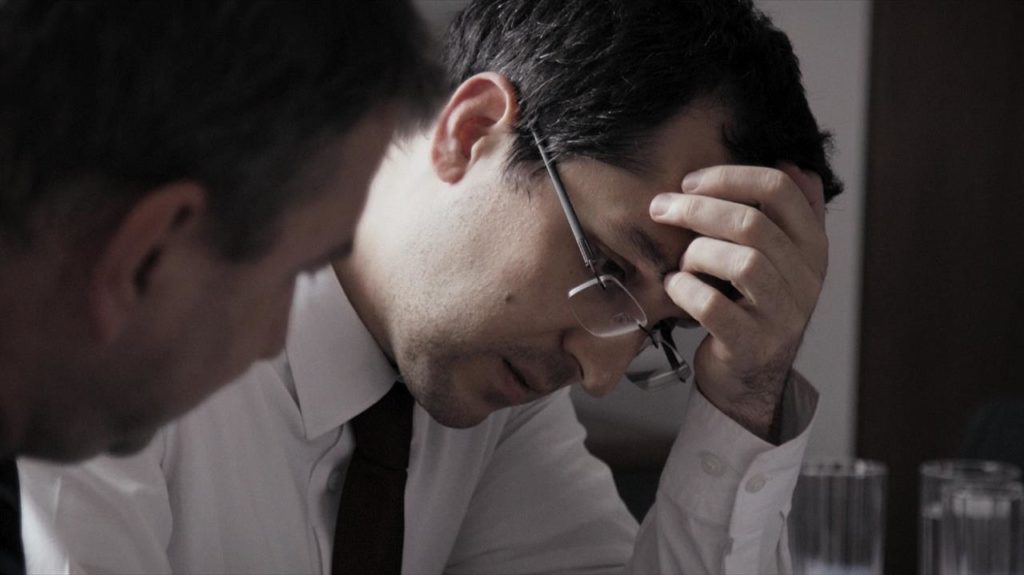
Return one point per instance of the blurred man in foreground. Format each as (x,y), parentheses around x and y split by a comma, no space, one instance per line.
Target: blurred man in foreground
(167,169)
(532,238)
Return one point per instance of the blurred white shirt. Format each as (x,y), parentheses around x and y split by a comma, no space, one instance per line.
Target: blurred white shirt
(250,481)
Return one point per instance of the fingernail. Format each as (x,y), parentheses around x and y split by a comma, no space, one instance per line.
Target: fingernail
(692,180)
(660,205)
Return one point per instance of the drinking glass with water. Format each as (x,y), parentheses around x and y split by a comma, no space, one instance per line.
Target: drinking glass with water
(938,475)
(982,529)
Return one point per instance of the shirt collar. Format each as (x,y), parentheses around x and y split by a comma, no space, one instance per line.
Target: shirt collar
(337,368)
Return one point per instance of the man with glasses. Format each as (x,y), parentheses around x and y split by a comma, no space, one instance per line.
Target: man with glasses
(602,171)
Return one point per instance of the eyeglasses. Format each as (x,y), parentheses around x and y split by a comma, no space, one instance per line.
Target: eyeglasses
(605,308)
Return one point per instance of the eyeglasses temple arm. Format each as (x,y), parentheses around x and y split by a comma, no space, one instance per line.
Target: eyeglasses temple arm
(670,348)
(570,213)
(662,337)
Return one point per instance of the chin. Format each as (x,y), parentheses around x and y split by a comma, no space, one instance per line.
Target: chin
(454,412)
(450,409)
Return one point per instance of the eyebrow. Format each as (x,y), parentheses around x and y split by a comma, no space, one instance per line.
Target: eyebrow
(650,249)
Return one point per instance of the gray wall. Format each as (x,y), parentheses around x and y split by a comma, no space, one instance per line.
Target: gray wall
(832,39)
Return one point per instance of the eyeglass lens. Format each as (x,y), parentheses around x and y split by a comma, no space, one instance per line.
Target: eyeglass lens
(605,308)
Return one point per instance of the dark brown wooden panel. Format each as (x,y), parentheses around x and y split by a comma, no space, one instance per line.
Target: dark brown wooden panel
(943,293)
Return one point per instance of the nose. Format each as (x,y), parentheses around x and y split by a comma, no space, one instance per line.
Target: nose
(603,360)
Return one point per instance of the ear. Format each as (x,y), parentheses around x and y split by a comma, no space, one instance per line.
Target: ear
(125,266)
(483,107)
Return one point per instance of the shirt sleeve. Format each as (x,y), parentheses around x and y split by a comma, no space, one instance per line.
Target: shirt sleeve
(725,494)
(107,515)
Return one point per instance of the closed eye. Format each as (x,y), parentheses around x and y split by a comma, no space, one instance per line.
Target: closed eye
(609,265)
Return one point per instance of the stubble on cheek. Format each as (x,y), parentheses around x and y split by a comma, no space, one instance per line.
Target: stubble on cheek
(426,371)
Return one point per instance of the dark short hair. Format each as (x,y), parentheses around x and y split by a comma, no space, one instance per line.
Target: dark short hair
(104,100)
(598,77)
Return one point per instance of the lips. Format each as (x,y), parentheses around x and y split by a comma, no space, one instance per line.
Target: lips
(517,386)
(531,378)
(518,375)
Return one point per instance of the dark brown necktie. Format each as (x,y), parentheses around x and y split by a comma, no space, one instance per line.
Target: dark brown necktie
(371,515)
(12,558)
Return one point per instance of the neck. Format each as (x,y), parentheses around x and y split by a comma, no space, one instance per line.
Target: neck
(359,295)
(382,236)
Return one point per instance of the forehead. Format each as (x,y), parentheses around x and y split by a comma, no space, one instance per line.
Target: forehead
(615,201)
(689,141)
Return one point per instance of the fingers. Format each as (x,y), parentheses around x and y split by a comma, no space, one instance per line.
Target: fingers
(722,318)
(762,231)
(747,269)
(810,184)
(799,214)
(747,226)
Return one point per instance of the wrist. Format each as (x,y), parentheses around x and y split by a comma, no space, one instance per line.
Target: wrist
(756,409)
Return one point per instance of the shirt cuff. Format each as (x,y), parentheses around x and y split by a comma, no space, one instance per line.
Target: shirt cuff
(722,473)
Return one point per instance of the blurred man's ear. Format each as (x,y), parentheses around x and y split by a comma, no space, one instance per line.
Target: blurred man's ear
(481,110)
(163,219)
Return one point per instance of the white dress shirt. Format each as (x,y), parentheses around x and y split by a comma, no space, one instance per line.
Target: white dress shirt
(250,481)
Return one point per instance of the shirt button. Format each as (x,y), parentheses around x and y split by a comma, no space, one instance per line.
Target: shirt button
(756,483)
(334,481)
(711,464)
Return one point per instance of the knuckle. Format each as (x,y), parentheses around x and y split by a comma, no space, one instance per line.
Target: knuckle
(691,208)
(750,224)
(713,177)
(710,303)
(774,181)
(749,265)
